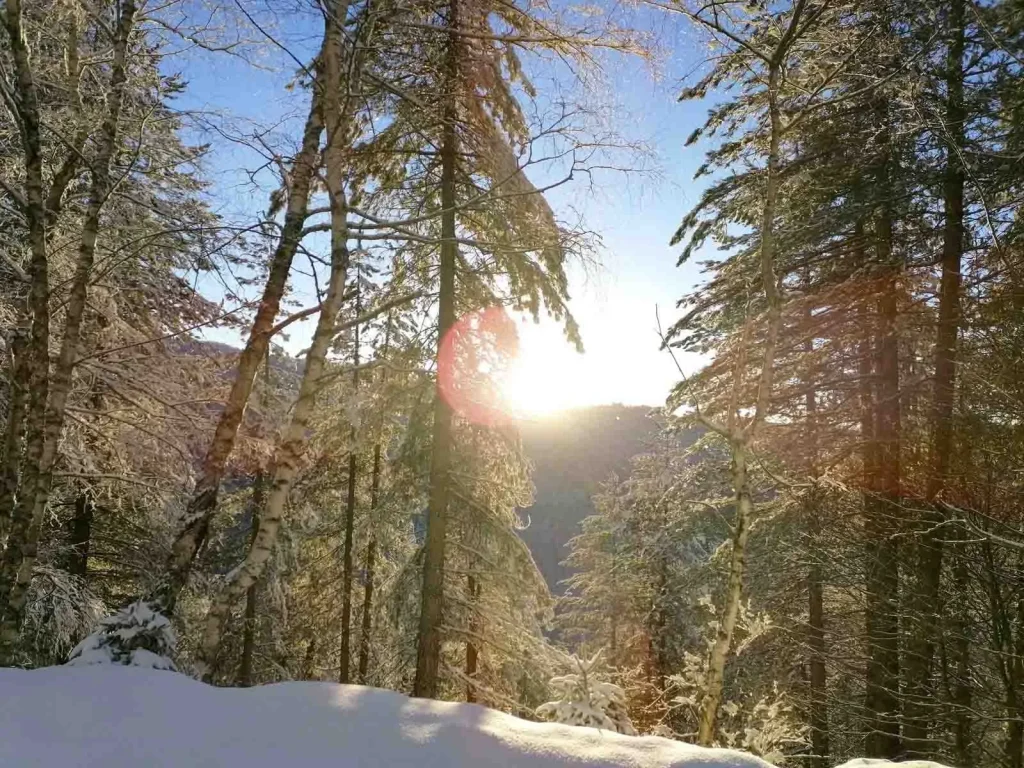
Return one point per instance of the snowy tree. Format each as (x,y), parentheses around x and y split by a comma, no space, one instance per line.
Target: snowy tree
(135,636)
(585,699)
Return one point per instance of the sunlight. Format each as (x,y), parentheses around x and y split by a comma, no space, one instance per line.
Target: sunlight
(548,375)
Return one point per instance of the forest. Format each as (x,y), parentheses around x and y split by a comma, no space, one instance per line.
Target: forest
(257,425)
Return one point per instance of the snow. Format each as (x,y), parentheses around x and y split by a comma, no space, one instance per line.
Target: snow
(135,636)
(125,716)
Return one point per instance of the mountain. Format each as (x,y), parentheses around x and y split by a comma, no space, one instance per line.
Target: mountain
(573,453)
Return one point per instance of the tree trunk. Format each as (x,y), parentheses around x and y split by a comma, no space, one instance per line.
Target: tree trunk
(818,699)
(371,557)
(472,655)
(963,697)
(36,371)
(308,661)
(244,679)
(920,698)
(19,561)
(81,534)
(286,460)
(203,503)
(13,437)
(350,518)
(733,595)
(739,439)
(883,506)
(291,447)
(428,646)
(1014,746)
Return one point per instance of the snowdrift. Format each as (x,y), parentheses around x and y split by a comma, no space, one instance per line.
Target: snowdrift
(123,717)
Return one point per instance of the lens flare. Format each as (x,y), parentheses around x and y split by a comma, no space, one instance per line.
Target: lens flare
(476,356)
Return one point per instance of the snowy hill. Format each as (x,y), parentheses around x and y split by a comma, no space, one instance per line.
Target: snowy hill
(122,717)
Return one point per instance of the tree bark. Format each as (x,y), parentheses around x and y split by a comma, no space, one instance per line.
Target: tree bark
(818,699)
(739,439)
(36,373)
(371,558)
(428,647)
(203,503)
(883,502)
(963,697)
(81,534)
(472,655)
(1014,745)
(286,460)
(244,679)
(308,661)
(19,561)
(350,520)
(733,596)
(921,653)
(291,447)
(15,428)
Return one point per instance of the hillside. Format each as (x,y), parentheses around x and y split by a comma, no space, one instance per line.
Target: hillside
(573,453)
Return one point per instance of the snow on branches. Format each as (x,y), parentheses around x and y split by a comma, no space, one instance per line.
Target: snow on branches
(585,700)
(135,636)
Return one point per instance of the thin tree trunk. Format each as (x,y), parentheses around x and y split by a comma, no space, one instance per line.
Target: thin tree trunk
(661,661)
(472,655)
(203,503)
(371,558)
(286,460)
(739,439)
(81,534)
(963,697)
(920,694)
(371,546)
(244,678)
(13,437)
(291,447)
(1014,745)
(818,719)
(69,168)
(19,561)
(428,647)
(308,661)
(733,596)
(350,521)
(613,631)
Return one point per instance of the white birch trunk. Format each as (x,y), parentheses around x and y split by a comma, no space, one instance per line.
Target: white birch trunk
(291,446)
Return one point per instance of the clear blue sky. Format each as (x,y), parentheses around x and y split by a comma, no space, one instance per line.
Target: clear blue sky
(635,216)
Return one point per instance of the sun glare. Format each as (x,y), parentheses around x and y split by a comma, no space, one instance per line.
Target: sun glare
(547,374)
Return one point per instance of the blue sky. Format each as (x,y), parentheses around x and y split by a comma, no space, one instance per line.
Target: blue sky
(634,215)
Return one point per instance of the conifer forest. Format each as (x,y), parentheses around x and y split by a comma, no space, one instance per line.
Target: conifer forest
(268,273)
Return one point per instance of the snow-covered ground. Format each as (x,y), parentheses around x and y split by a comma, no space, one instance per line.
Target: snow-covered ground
(123,717)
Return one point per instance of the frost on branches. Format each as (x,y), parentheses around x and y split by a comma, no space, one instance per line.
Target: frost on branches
(585,700)
(135,636)
(61,609)
(765,725)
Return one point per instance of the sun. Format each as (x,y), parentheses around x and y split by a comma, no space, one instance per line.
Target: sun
(547,375)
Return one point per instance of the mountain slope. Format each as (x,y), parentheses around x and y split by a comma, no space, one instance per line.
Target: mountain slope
(573,453)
